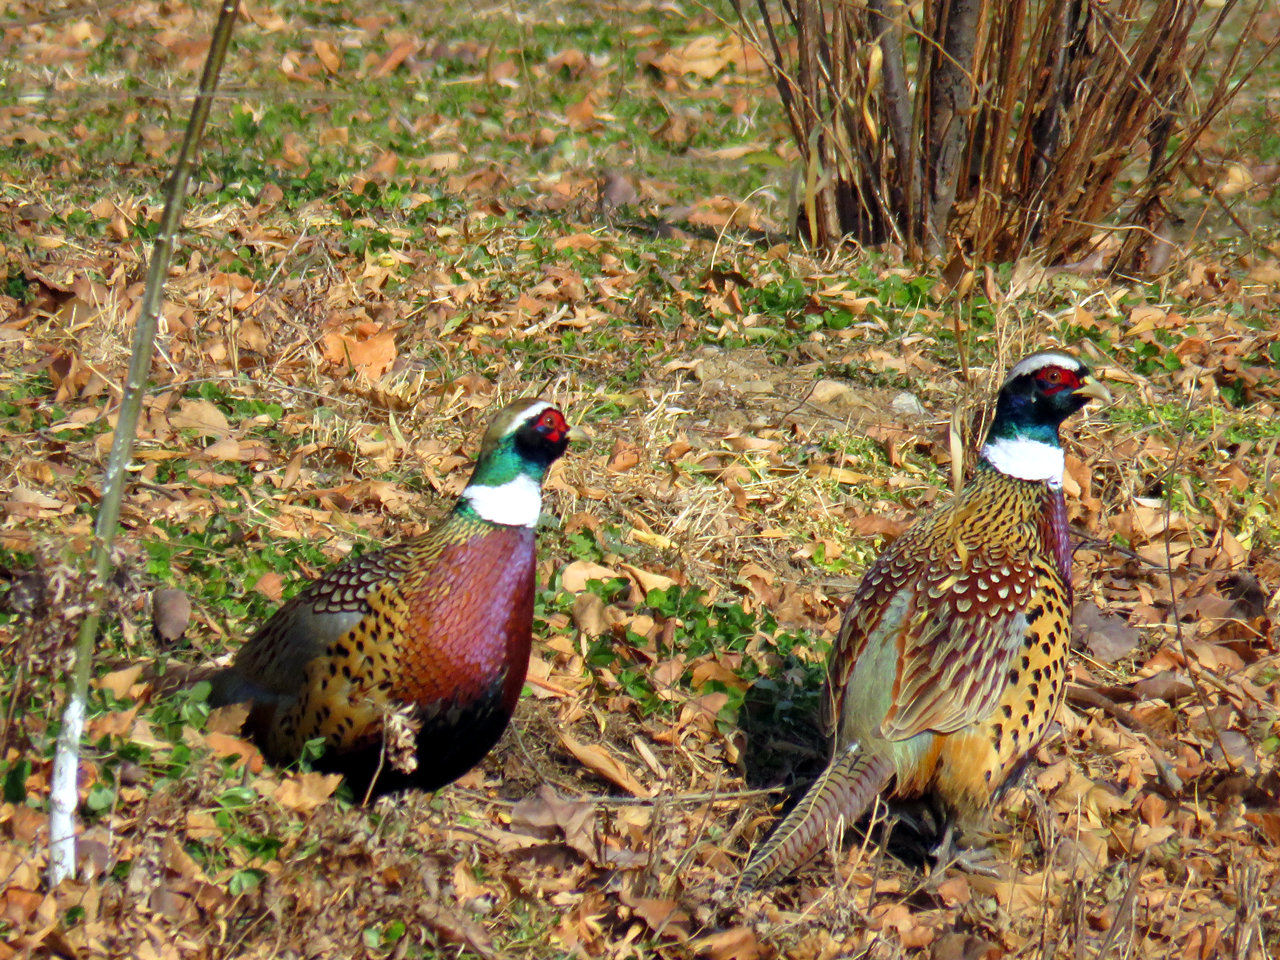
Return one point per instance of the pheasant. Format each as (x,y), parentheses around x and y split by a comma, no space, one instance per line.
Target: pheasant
(436,629)
(950,662)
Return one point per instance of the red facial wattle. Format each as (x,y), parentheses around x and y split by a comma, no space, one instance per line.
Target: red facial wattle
(552,425)
(1056,379)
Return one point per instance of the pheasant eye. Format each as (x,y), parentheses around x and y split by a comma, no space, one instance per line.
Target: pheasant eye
(1055,379)
(551,424)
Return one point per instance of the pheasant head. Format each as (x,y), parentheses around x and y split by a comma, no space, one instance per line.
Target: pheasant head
(522,442)
(1040,392)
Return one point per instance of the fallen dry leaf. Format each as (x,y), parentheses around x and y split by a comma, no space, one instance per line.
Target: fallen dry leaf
(575,576)
(304,792)
(599,760)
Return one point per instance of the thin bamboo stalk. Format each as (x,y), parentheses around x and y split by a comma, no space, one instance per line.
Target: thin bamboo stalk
(63,789)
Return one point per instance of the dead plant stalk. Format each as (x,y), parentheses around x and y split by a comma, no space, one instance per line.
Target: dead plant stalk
(63,789)
(995,127)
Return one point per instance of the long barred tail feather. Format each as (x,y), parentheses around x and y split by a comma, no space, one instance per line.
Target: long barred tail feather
(842,794)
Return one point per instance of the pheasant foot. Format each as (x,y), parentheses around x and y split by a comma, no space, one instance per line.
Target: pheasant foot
(981,861)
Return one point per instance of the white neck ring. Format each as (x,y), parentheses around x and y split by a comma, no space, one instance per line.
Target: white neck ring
(516,503)
(1026,459)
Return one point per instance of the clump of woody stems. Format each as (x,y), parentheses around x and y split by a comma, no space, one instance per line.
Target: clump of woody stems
(1000,127)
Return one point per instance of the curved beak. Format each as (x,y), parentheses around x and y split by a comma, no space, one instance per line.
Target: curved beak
(578,434)
(1093,389)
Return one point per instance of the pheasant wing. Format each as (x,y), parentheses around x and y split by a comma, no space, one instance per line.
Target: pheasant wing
(273,659)
(957,623)
(952,671)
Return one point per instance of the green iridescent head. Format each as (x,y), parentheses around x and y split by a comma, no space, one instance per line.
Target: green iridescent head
(1040,392)
(522,442)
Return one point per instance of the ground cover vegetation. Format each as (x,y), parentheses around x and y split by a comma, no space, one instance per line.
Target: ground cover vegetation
(404,215)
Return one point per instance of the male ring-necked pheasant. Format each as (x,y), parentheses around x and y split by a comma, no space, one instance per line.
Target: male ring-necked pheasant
(438,626)
(950,663)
